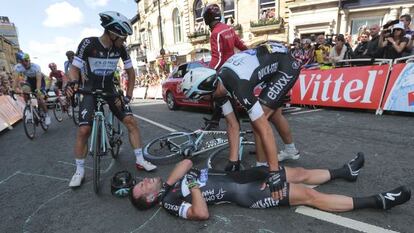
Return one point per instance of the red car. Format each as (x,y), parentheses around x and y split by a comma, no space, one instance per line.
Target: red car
(171,92)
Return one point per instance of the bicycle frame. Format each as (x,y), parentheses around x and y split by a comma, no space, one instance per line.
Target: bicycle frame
(99,117)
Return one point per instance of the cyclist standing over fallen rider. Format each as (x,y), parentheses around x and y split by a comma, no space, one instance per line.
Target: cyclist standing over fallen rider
(100,55)
(270,64)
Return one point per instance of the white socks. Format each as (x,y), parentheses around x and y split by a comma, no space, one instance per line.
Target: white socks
(290,147)
(80,166)
(260,164)
(139,156)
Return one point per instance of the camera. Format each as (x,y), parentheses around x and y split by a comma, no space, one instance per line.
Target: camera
(390,23)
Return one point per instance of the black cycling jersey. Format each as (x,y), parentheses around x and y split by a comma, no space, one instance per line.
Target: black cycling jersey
(100,63)
(241,188)
(271,65)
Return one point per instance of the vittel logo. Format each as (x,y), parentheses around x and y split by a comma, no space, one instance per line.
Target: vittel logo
(335,89)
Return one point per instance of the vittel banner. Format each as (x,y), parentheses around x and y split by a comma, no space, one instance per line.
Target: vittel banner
(400,89)
(353,87)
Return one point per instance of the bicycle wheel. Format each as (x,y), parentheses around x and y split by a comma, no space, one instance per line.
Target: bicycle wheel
(75,109)
(29,123)
(58,111)
(97,153)
(218,159)
(167,148)
(42,120)
(115,137)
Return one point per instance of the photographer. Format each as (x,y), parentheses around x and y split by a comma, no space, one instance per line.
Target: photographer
(393,41)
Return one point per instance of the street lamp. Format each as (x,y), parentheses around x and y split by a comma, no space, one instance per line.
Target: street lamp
(162,51)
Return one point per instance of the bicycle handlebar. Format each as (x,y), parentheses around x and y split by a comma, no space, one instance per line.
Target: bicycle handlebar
(97,92)
(13,93)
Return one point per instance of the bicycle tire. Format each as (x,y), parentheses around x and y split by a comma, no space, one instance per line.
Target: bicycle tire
(58,111)
(97,157)
(116,134)
(42,120)
(173,154)
(29,123)
(218,159)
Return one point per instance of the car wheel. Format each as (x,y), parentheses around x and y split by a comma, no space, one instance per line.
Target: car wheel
(171,104)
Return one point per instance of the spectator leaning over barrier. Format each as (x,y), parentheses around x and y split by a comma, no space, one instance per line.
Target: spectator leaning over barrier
(337,53)
(393,43)
(308,52)
(373,49)
(362,48)
(322,50)
(406,20)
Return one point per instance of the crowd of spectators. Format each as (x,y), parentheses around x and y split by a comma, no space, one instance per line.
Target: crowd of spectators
(6,82)
(394,40)
(149,79)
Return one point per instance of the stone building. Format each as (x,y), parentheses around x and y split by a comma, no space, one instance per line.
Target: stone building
(185,37)
(9,44)
(309,18)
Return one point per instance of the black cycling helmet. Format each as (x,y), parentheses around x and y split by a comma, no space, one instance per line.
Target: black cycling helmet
(70,53)
(211,13)
(116,23)
(121,184)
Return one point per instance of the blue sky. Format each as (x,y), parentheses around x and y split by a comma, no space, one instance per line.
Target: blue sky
(48,28)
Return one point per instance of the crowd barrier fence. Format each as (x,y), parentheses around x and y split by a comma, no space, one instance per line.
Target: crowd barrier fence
(11,111)
(387,85)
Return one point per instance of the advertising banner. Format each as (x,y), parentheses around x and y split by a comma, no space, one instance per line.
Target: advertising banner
(399,95)
(353,87)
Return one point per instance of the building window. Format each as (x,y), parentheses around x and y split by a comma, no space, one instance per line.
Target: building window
(199,21)
(150,45)
(177,26)
(228,11)
(267,10)
(135,33)
(359,25)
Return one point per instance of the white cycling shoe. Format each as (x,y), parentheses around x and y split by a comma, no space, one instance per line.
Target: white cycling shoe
(145,165)
(47,120)
(288,154)
(76,180)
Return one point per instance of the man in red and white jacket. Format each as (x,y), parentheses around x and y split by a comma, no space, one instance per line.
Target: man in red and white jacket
(223,41)
(223,38)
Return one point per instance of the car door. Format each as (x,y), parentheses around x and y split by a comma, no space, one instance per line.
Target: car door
(177,78)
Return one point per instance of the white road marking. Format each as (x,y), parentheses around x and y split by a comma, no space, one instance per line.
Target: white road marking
(38,208)
(17,172)
(146,222)
(46,176)
(155,123)
(302,112)
(339,220)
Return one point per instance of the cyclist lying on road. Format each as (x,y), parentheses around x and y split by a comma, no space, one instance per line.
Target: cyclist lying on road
(187,191)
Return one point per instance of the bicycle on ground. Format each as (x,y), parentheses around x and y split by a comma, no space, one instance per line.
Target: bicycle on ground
(176,146)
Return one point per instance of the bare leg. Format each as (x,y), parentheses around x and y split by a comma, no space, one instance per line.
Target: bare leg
(282,126)
(301,195)
(81,141)
(133,132)
(307,176)
(233,132)
(260,155)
